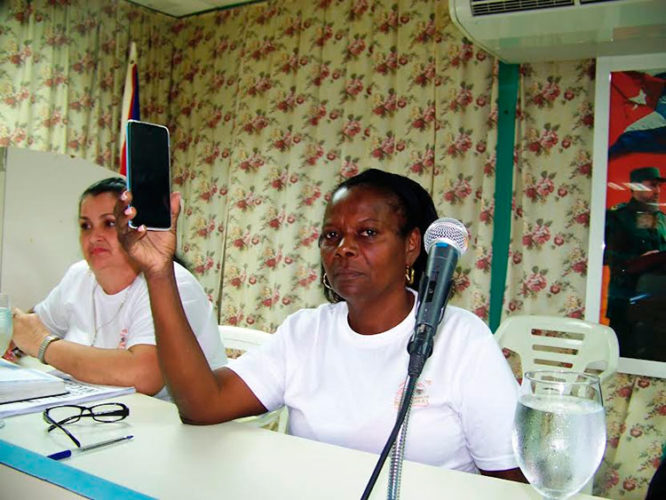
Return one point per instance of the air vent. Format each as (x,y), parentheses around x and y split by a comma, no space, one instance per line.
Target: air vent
(490,7)
(519,31)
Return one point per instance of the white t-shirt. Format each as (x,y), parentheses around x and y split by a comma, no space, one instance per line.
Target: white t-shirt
(124,319)
(344,388)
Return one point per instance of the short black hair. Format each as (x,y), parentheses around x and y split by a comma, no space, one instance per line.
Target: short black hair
(114,185)
(413,204)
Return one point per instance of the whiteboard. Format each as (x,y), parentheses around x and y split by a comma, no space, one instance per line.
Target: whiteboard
(40,237)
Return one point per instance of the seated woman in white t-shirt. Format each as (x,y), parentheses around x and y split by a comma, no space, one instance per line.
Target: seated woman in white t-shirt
(96,324)
(340,368)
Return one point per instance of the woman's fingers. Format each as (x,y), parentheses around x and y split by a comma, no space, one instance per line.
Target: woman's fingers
(151,250)
(125,213)
(120,211)
(175,206)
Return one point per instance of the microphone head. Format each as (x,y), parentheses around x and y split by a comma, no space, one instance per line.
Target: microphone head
(448,230)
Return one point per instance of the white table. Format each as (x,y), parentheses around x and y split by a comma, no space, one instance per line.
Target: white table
(167,459)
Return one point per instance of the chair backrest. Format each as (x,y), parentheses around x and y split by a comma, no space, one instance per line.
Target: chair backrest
(550,342)
(241,339)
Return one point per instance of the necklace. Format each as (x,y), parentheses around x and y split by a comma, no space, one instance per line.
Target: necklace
(96,328)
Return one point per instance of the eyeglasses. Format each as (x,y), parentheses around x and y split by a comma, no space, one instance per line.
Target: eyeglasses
(59,416)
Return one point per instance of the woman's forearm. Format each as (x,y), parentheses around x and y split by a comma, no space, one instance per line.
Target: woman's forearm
(202,396)
(509,474)
(137,366)
(190,380)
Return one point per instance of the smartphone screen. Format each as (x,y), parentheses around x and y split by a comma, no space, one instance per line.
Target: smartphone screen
(148,174)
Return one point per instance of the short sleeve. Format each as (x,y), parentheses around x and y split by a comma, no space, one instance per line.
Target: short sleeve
(489,396)
(199,313)
(264,370)
(52,311)
(141,329)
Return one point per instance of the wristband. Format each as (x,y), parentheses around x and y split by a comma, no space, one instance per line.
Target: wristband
(45,343)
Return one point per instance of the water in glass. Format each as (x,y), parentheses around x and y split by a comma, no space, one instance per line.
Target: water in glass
(5,322)
(5,327)
(559,434)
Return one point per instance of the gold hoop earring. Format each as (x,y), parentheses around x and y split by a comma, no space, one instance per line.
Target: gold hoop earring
(409,274)
(327,284)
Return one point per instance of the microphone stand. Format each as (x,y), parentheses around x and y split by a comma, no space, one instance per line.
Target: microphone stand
(402,413)
(445,240)
(420,349)
(398,454)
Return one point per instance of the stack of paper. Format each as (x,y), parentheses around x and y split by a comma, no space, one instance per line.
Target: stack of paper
(75,393)
(19,384)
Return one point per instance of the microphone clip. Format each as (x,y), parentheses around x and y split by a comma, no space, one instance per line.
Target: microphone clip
(420,348)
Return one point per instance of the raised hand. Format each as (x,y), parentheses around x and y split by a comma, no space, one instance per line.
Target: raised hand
(153,251)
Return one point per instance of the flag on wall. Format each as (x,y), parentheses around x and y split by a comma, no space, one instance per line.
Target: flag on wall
(638,120)
(636,128)
(130,109)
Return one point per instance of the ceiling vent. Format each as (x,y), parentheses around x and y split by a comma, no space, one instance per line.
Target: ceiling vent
(550,30)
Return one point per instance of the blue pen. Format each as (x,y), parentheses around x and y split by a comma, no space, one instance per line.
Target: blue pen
(68,453)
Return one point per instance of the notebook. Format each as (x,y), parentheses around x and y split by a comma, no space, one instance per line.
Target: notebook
(76,392)
(18,383)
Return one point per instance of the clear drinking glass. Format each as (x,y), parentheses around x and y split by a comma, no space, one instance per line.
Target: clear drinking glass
(5,322)
(559,434)
(5,327)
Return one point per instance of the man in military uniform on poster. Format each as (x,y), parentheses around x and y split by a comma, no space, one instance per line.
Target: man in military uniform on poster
(635,252)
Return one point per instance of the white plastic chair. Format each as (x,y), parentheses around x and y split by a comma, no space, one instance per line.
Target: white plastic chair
(560,343)
(577,345)
(244,339)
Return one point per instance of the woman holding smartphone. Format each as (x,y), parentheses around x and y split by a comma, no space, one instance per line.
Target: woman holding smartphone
(340,368)
(96,324)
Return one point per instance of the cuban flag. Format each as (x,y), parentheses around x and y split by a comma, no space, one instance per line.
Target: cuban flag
(130,105)
(639,113)
(637,128)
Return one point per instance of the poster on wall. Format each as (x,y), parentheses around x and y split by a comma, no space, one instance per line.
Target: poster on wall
(635,223)
(632,218)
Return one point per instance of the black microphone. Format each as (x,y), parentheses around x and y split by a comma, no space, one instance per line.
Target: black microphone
(445,241)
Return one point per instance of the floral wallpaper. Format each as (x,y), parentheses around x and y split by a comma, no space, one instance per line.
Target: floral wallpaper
(317,98)
(271,105)
(635,415)
(551,212)
(62,72)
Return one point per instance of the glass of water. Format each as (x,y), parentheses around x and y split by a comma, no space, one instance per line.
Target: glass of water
(5,326)
(5,322)
(559,434)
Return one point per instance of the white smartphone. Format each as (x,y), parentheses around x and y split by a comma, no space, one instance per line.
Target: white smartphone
(149,174)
